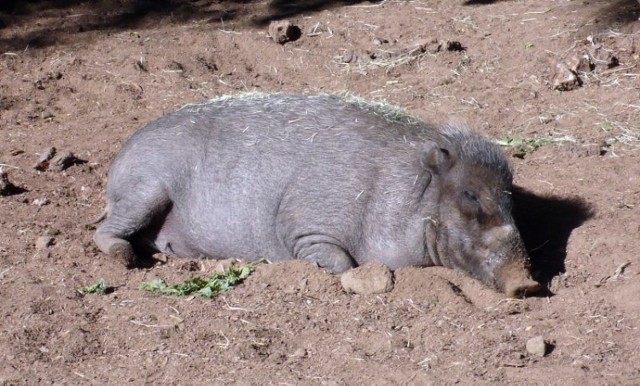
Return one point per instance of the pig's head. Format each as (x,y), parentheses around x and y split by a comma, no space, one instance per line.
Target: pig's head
(474,230)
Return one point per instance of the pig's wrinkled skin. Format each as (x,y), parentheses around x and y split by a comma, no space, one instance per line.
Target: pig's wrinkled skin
(328,179)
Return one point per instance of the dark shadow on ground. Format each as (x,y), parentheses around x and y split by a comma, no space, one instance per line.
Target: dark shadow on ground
(476,2)
(615,14)
(57,20)
(280,9)
(545,223)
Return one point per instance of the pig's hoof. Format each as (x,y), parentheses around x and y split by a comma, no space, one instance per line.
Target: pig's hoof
(124,254)
(520,289)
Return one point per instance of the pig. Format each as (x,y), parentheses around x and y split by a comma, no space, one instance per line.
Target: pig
(330,179)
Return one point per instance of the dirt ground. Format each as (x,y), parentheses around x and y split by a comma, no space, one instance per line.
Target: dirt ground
(557,82)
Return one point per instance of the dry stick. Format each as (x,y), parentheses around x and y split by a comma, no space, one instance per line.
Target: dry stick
(136,322)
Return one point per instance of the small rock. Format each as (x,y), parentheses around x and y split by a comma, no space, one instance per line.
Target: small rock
(41,202)
(580,64)
(174,66)
(282,31)
(141,65)
(563,78)
(161,257)
(371,278)
(191,266)
(454,45)
(52,232)
(537,346)
(580,364)
(604,59)
(65,160)
(431,46)
(348,57)
(45,157)
(43,242)
(6,187)
(379,41)
(47,115)
(86,192)
(299,353)
(606,144)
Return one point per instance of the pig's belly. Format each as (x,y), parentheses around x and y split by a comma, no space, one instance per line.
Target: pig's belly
(205,237)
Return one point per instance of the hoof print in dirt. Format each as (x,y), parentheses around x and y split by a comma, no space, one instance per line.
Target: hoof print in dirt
(282,31)
(369,279)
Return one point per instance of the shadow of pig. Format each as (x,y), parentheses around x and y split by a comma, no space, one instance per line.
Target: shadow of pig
(545,223)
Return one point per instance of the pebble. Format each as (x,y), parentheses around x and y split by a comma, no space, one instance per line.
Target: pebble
(65,160)
(371,278)
(282,31)
(43,242)
(41,202)
(563,78)
(348,57)
(537,346)
(6,187)
(45,157)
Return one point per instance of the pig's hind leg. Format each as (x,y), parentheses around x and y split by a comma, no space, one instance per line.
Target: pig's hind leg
(125,218)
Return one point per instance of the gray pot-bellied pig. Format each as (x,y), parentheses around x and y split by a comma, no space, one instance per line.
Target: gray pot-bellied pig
(333,180)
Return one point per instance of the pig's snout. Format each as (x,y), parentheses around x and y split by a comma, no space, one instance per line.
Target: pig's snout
(514,280)
(510,268)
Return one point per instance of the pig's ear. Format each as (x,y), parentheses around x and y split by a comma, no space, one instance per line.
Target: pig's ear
(438,159)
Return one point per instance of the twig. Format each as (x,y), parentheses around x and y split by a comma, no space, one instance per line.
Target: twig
(139,323)
(235,308)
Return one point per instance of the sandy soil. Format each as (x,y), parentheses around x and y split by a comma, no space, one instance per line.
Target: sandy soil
(82,76)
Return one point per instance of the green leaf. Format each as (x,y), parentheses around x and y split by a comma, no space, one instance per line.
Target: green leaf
(99,288)
(524,146)
(198,286)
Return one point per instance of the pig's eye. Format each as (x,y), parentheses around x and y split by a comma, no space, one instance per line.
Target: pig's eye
(470,204)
